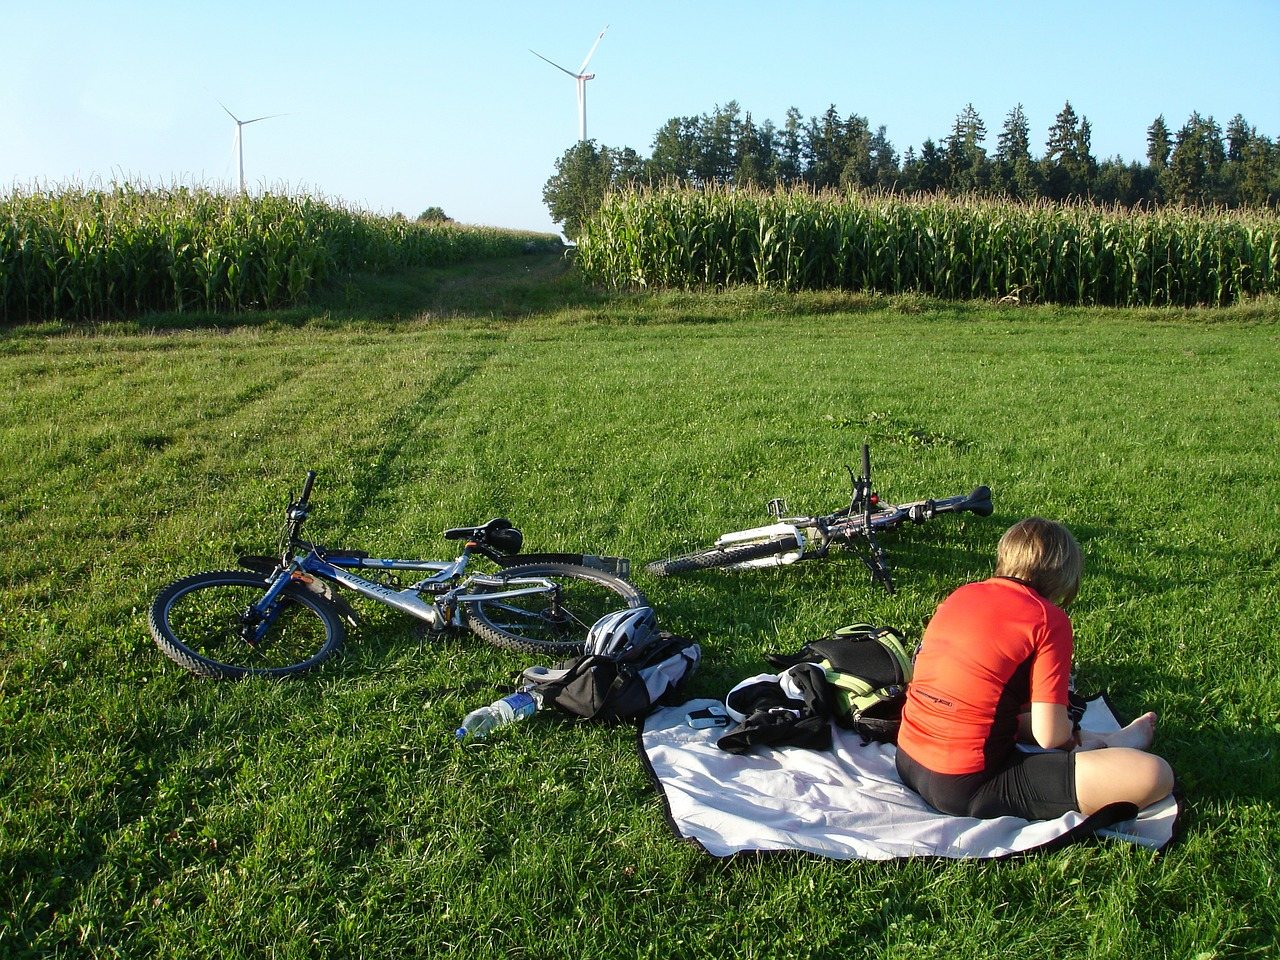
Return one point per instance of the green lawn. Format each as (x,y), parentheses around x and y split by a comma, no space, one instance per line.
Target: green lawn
(146,812)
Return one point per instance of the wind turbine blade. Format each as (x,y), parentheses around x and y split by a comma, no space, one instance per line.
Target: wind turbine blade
(270,116)
(229,113)
(590,53)
(554,64)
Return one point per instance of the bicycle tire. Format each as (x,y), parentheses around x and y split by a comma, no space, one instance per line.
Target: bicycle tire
(196,623)
(525,624)
(713,557)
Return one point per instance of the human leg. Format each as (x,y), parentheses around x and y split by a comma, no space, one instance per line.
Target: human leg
(1120,775)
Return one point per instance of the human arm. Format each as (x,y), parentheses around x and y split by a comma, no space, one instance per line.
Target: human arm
(1051,726)
(1050,722)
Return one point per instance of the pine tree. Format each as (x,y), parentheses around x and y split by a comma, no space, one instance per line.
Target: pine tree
(1158,145)
(789,165)
(1195,166)
(1068,164)
(1013,156)
(1259,181)
(966,157)
(884,160)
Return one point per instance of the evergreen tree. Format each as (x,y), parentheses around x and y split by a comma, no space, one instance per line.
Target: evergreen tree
(1195,166)
(966,157)
(910,171)
(856,168)
(1259,181)
(1239,133)
(1015,170)
(884,160)
(1068,164)
(1127,184)
(1158,144)
(716,140)
(1014,142)
(789,158)
(931,171)
(754,151)
(824,151)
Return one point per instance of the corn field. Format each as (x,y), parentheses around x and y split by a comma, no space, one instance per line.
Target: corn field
(949,248)
(76,254)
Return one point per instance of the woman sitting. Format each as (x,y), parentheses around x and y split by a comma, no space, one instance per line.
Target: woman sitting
(994,669)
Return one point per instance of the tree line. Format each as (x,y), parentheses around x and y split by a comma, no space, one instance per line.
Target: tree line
(1198,164)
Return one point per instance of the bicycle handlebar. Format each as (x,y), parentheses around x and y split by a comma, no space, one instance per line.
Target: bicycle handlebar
(978,502)
(306,487)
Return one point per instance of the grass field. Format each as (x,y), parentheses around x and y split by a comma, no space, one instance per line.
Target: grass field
(148,813)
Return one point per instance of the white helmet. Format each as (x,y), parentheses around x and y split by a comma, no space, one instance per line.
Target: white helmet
(622,632)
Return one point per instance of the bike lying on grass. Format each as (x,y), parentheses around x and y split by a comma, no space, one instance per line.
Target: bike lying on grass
(854,527)
(282,616)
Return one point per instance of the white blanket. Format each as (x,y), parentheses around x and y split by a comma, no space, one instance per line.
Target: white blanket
(845,803)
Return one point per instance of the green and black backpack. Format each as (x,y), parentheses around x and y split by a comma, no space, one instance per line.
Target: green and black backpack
(867,669)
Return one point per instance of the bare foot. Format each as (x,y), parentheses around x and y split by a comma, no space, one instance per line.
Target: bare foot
(1138,734)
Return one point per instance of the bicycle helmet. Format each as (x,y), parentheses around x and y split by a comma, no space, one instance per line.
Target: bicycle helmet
(622,632)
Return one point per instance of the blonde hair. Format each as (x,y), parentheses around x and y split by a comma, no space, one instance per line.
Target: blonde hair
(1044,555)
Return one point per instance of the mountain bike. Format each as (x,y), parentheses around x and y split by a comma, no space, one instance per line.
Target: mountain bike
(284,615)
(792,538)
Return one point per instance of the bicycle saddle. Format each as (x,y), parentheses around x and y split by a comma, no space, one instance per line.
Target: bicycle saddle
(497,533)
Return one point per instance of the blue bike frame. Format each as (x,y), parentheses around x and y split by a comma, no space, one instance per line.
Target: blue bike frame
(442,611)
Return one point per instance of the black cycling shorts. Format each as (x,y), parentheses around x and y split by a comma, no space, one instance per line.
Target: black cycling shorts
(1033,786)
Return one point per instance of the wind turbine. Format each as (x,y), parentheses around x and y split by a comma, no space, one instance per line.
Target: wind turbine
(581,77)
(240,125)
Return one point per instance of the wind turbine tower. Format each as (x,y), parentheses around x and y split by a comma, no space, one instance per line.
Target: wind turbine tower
(581,77)
(240,125)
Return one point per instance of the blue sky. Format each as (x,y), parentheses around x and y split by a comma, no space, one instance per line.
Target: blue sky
(402,106)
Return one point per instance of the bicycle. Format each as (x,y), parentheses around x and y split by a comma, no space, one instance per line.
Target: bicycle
(282,615)
(789,539)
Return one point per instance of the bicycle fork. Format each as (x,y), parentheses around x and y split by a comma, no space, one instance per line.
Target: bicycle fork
(258,617)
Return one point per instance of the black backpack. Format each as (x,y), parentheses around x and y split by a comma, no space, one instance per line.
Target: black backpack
(613,688)
(867,669)
(857,676)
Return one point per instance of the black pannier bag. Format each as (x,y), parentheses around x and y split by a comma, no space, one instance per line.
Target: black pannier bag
(617,687)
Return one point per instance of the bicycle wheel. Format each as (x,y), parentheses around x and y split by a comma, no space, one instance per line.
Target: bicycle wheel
(198,623)
(722,556)
(540,623)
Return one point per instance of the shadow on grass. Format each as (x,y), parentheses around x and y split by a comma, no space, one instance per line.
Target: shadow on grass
(545,283)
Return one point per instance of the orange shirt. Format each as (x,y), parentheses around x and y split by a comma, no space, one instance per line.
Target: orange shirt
(990,649)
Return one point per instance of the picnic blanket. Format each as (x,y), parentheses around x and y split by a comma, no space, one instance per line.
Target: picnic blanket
(846,803)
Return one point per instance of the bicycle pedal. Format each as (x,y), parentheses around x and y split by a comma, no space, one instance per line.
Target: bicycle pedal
(777,507)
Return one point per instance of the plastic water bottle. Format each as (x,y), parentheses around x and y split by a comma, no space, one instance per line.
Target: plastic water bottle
(513,707)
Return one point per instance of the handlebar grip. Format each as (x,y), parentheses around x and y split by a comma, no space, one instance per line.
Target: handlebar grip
(980,502)
(306,486)
(866,464)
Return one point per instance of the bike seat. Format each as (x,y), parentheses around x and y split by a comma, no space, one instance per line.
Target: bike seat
(498,533)
(474,533)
